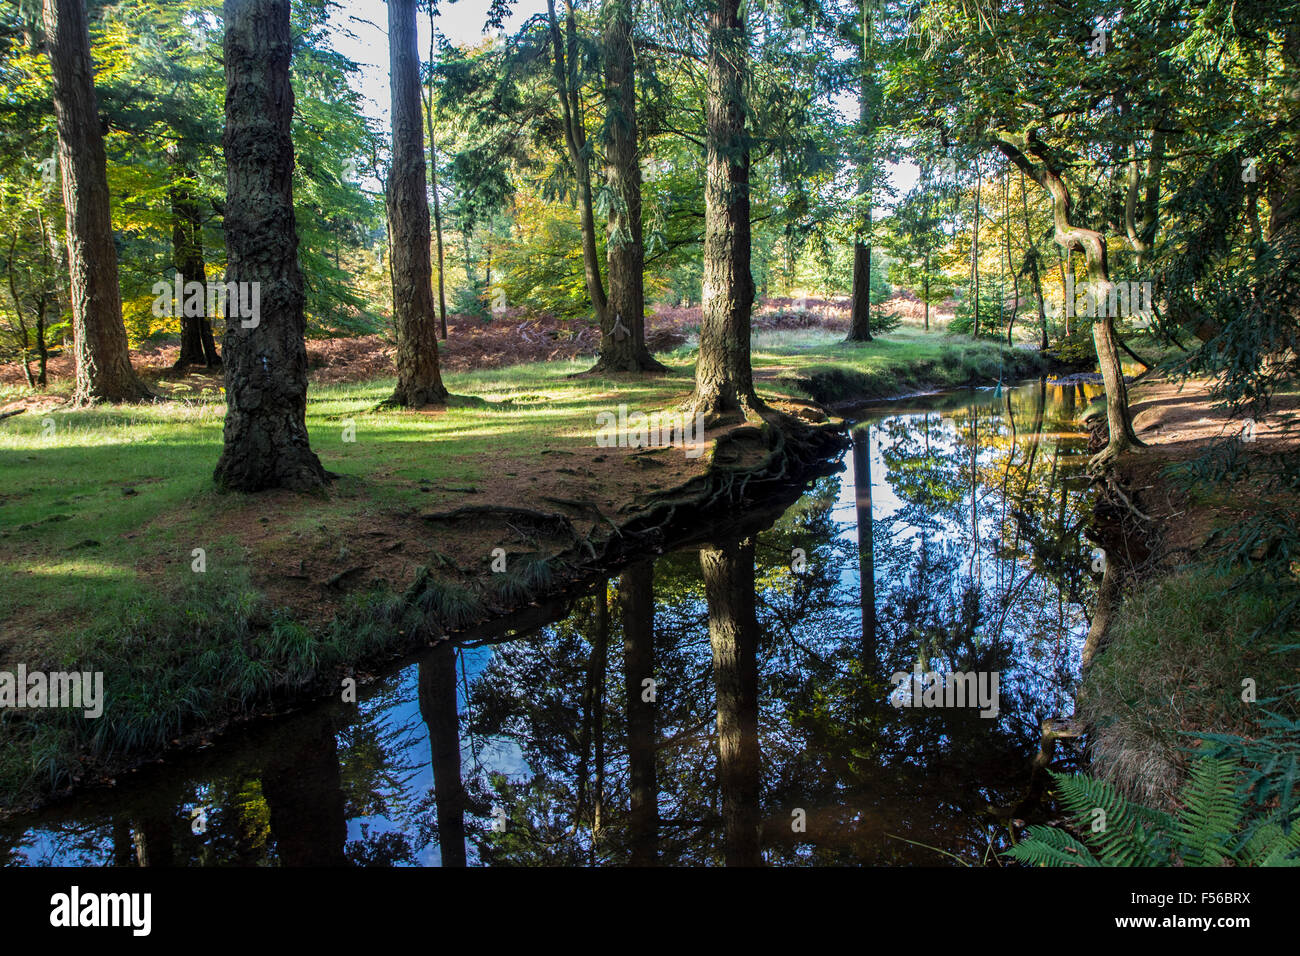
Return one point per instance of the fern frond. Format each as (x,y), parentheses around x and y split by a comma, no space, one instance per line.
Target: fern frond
(1048,846)
(1211,815)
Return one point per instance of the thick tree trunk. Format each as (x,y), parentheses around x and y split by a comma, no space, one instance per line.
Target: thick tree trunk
(415,323)
(724,382)
(622,332)
(637,591)
(437,698)
(1024,153)
(103,359)
(265,360)
(733,634)
(575,139)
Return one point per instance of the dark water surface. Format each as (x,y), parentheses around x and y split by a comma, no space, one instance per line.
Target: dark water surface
(595,739)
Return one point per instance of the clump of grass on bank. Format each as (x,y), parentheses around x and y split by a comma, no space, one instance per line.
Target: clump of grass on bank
(1179,649)
(182,662)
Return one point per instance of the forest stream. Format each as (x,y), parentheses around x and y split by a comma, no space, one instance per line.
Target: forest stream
(950,542)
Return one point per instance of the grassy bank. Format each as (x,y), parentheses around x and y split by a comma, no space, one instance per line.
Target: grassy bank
(830,371)
(202,607)
(1202,641)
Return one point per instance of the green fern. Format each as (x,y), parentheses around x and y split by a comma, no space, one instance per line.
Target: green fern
(1213,828)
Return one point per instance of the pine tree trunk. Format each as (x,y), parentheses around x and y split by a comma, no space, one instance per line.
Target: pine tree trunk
(415,323)
(265,438)
(724,383)
(622,332)
(103,358)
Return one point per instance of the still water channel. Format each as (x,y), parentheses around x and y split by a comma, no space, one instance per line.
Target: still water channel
(950,542)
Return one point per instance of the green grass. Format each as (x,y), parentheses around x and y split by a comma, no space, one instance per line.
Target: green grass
(1179,650)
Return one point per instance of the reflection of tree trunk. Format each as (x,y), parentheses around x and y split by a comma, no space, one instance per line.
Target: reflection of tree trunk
(733,633)
(593,727)
(304,791)
(437,688)
(599,654)
(974,500)
(1036,436)
(122,848)
(637,591)
(153,838)
(866,555)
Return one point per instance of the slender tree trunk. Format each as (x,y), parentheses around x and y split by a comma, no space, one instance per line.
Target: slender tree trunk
(975,251)
(23,339)
(437,199)
(103,359)
(866,544)
(600,660)
(197,344)
(437,699)
(575,139)
(265,437)
(724,382)
(637,591)
(733,634)
(1006,228)
(925,290)
(1024,153)
(1032,255)
(622,332)
(419,381)
(860,310)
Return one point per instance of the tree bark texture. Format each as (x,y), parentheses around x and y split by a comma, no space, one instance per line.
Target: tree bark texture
(265,435)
